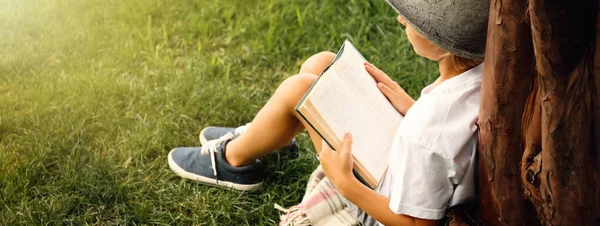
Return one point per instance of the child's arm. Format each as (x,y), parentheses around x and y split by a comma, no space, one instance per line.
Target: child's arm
(395,94)
(337,165)
(376,205)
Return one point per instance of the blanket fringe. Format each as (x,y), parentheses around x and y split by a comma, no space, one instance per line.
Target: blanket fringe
(294,216)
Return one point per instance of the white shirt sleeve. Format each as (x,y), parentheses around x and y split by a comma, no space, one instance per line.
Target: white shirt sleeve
(420,184)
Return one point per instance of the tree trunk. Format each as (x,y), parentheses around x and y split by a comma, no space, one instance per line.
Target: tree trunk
(506,85)
(540,114)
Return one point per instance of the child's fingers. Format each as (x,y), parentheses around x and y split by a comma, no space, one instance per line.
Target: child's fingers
(381,72)
(324,152)
(373,70)
(382,77)
(389,82)
(377,69)
(379,75)
(401,20)
(387,91)
(324,146)
(347,143)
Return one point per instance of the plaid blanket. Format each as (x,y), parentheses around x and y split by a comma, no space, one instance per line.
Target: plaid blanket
(321,205)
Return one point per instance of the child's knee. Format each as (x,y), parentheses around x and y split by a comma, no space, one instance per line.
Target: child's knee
(296,86)
(317,63)
(301,82)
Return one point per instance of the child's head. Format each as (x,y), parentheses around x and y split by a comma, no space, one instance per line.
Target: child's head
(453,29)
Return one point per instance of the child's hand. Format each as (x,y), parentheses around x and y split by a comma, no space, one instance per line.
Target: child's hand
(395,94)
(337,165)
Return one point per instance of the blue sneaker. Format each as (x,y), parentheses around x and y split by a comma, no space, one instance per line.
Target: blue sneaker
(215,132)
(207,134)
(207,165)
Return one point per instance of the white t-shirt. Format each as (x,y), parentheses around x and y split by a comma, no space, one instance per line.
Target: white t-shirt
(431,161)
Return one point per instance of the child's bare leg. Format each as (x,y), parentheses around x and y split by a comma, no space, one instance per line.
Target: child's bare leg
(317,63)
(277,122)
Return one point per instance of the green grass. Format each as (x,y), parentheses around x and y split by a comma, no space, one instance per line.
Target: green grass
(87,85)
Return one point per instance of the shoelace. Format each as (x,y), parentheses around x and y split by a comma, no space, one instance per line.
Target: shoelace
(212,148)
(241,129)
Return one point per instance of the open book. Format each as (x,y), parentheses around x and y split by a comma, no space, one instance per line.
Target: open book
(345,98)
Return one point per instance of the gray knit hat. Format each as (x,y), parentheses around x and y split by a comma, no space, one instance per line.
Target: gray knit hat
(457,26)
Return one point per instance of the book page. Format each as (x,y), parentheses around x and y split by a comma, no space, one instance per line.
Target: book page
(338,105)
(350,66)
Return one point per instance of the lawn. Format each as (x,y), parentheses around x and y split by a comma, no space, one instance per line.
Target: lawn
(94,94)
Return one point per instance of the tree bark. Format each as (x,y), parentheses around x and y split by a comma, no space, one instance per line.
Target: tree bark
(506,85)
(540,114)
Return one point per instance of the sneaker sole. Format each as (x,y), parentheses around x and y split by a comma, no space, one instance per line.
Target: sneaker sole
(209,181)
